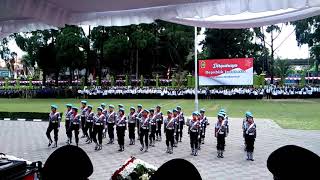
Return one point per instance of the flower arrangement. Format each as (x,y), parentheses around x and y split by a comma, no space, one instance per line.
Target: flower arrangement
(134,169)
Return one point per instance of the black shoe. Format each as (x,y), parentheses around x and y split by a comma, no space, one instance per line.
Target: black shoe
(50,142)
(55,145)
(96,148)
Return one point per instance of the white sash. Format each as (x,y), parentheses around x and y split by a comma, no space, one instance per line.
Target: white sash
(110,115)
(170,122)
(145,121)
(122,118)
(192,127)
(222,124)
(251,125)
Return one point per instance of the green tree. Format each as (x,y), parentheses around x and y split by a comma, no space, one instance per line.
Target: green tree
(40,46)
(282,69)
(274,31)
(308,32)
(27,63)
(71,43)
(8,56)
(99,35)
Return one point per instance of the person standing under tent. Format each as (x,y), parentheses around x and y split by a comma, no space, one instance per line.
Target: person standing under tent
(250,135)
(121,124)
(220,134)
(111,119)
(169,125)
(98,126)
(68,114)
(75,125)
(54,124)
(144,130)
(132,125)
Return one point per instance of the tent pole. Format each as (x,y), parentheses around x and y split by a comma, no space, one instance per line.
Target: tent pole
(196,102)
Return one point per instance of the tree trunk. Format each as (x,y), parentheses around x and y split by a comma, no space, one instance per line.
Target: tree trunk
(137,64)
(86,76)
(44,76)
(131,62)
(100,68)
(70,77)
(57,78)
(272,59)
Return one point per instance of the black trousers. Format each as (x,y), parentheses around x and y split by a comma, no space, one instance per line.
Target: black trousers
(132,127)
(138,129)
(201,137)
(153,132)
(75,128)
(111,130)
(120,134)
(83,125)
(249,143)
(158,131)
(181,123)
(144,133)
(67,125)
(97,129)
(194,139)
(55,128)
(169,137)
(89,126)
(221,142)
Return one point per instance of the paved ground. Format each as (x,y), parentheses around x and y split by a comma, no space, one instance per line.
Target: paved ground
(28,140)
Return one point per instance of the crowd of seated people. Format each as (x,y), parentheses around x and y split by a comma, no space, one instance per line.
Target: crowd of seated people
(269,92)
(204,93)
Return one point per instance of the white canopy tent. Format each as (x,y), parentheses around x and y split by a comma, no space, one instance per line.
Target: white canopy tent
(29,15)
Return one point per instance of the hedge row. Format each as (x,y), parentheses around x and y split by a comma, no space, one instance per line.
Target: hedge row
(24,115)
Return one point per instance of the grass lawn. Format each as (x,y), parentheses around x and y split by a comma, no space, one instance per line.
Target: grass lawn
(292,114)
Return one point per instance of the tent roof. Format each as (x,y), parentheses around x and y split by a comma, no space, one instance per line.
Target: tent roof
(28,15)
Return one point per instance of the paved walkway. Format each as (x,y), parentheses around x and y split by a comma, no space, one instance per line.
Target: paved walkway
(28,140)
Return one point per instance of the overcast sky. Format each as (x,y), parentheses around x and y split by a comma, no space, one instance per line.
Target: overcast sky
(288,49)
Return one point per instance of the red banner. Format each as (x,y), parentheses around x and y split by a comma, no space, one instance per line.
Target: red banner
(238,71)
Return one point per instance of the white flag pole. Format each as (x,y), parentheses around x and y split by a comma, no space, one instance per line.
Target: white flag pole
(196,102)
